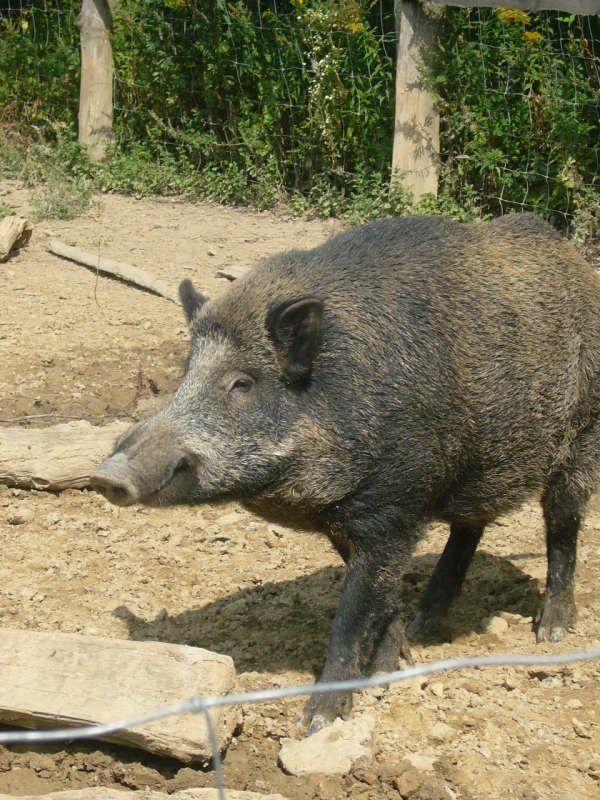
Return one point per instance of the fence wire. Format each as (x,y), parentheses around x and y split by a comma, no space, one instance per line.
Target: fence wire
(300,94)
(203,705)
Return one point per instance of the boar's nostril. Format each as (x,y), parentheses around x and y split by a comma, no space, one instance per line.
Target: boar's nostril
(115,491)
(183,465)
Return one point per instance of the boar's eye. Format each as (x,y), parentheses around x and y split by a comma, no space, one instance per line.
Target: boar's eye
(241,384)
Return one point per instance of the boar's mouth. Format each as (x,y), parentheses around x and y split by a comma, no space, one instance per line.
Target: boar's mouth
(178,487)
(120,484)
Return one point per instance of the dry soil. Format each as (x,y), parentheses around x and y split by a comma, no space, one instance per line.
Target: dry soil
(79,345)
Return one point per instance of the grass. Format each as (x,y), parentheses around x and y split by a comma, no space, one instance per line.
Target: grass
(63,182)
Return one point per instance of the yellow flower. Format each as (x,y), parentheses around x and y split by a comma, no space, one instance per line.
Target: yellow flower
(266,14)
(355,26)
(533,36)
(512,16)
(24,25)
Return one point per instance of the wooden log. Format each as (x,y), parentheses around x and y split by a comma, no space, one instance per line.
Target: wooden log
(416,147)
(59,457)
(125,272)
(96,83)
(109,793)
(58,680)
(15,232)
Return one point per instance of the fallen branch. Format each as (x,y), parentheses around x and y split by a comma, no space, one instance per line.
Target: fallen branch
(232,273)
(125,272)
(15,232)
(59,457)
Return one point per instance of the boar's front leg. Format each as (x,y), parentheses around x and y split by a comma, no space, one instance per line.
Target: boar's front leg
(367,631)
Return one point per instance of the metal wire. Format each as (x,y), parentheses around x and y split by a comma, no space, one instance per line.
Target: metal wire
(203,705)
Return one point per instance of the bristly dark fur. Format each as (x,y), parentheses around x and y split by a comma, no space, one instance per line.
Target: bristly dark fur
(408,370)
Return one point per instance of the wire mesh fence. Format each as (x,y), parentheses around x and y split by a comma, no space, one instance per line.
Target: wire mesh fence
(203,705)
(299,94)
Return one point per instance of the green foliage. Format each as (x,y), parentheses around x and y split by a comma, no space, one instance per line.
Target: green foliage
(39,65)
(519,117)
(58,173)
(259,101)
(5,210)
(246,89)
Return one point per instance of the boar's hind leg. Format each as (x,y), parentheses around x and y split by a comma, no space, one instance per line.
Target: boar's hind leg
(446,582)
(563,509)
(563,502)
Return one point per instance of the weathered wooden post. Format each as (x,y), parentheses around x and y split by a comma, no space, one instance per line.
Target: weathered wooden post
(96,89)
(415,156)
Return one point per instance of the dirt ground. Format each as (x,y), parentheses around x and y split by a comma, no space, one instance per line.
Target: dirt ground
(83,346)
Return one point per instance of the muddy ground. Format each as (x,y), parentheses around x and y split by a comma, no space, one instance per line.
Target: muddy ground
(77,345)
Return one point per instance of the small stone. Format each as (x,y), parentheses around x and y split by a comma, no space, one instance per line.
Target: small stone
(420,761)
(408,782)
(496,625)
(581,728)
(437,689)
(574,703)
(138,776)
(186,778)
(147,325)
(332,750)
(21,517)
(41,762)
(440,732)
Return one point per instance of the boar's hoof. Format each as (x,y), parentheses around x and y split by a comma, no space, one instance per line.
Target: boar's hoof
(428,625)
(393,647)
(557,618)
(323,709)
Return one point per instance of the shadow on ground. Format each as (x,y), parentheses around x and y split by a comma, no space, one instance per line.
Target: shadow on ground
(285,625)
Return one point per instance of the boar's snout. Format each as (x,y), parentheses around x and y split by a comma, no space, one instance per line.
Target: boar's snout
(148,466)
(113,481)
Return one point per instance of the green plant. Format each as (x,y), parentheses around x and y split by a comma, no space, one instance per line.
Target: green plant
(5,209)
(519,116)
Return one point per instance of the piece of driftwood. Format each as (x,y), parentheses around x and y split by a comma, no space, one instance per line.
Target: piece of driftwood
(57,680)
(232,273)
(15,232)
(109,793)
(55,458)
(125,272)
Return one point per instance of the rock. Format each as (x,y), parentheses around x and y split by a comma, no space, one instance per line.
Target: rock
(408,782)
(440,732)
(420,761)
(574,703)
(496,625)
(21,517)
(138,776)
(582,729)
(332,750)
(186,778)
(437,689)
(39,762)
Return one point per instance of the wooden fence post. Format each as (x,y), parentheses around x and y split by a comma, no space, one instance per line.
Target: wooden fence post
(96,90)
(416,149)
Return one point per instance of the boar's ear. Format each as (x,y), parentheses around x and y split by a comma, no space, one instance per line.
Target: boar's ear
(295,329)
(190,299)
